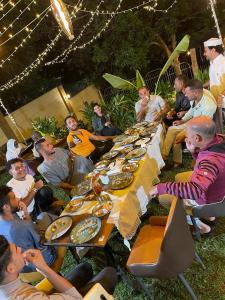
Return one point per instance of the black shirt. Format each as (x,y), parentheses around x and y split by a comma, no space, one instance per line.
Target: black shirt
(182,102)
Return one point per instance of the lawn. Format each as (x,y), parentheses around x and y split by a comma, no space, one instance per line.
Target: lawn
(207,284)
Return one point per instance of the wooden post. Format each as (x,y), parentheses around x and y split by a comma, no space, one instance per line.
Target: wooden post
(194,62)
(6,128)
(65,100)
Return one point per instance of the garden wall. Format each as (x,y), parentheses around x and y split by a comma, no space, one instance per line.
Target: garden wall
(53,103)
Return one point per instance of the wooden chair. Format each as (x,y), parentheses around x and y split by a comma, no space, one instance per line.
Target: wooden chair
(164,249)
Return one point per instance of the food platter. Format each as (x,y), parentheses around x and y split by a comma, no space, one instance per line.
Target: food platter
(82,188)
(102,164)
(130,139)
(141,124)
(58,228)
(130,167)
(136,153)
(109,155)
(120,181)
(85,230)
(120,138)
(142,141)
(73,206)
(102,208)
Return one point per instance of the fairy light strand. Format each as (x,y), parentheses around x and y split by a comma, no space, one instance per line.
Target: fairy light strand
(215,20)
(3,16)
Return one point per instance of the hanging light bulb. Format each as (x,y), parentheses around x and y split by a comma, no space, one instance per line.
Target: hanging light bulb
(62,16)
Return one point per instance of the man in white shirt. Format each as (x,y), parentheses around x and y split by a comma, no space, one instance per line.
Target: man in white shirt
(213,51)
(150,108)
(24,185)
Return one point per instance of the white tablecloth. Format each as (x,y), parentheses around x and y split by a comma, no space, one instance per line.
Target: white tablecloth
(154,148)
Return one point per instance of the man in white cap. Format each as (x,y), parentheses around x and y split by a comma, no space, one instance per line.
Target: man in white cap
(213,51)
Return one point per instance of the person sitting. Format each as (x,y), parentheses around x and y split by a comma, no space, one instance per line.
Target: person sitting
(21,232)
(36,136)
(79,140)
(182,104)
(205,185)
(101,123)
(202,104)
(150,108)
(14,149)
(78,282)
(59,167)
(25,187)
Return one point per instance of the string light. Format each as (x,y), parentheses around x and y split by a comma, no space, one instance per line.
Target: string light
(13,6)
(216,20)
(152,9)
(11,119)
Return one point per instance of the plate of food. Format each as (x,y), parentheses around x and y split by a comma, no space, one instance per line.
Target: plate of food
(85,230)
(136,153)
(120,180)
(102,164)
(140,124)
(102,208)
(109,155)
(130,139)
(130,167)
(73,206)
(120,138)
(58,228)
(142,141)
(82,188)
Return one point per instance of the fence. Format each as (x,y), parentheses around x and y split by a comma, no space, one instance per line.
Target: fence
(151,79)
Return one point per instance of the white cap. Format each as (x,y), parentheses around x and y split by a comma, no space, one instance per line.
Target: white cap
(213,42)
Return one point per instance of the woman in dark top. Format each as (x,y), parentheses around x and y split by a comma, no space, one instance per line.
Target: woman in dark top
(101,123)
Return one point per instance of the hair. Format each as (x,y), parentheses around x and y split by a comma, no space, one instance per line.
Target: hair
(68,117)
(38,144)
(204,126)
(36,136)
(95,104)
(4,198)
(5,257)
(182,78)
(12,162)
(195,84)
(219,48)
(43,200)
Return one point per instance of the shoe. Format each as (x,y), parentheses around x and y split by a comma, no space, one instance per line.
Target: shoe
(203,235)
(208,222)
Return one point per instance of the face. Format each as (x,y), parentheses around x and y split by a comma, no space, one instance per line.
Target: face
(17,261)
(192,95)
(18,170)
(143,93)
(71,124)
(16,144)
(47,148)
(97,109)
(13,205)
(209,53)
(178,85)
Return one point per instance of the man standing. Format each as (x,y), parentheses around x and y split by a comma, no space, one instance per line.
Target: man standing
(213,51)
(182,103)
(21,232)
(202,104)
(205,184)
(59,167)
(150,108)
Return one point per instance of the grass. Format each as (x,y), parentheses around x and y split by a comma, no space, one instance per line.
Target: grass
(208,284)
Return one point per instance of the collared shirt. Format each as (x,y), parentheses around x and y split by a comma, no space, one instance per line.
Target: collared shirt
(18,290)
(205,107)
(155,105)
(81,139)
(217,75)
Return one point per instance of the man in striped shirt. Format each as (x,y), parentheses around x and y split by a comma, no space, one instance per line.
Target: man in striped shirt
(206,183)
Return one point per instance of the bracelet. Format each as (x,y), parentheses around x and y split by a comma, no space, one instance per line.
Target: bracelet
(34,190)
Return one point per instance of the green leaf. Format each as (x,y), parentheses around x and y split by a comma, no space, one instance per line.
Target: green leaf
(118,82)
(139,80)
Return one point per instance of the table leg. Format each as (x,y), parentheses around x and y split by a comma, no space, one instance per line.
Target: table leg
(74,254)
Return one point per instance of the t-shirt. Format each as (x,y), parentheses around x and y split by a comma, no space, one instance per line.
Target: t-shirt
(21,188)
(217,75)
(155,105)
(83,146)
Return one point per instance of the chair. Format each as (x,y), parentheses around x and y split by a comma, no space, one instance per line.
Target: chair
(205,211)
(97,292)
(164,249)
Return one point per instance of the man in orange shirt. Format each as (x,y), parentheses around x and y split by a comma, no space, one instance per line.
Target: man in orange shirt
(79,142)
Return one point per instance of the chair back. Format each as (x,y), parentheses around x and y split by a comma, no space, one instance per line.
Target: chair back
(209,210)
(177,249)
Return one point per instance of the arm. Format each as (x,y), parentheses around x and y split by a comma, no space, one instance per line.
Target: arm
(100,138)
(141,109)
(188,115)
(38,184)
(206,84)
(162,112)
(65,185)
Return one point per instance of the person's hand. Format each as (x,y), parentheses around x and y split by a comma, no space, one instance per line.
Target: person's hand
(219,101)
(190,146)
(107,123)
(38,184)
(153,192)
(178,122)
(35,257)
(144,102)
(180,114)
(22,207)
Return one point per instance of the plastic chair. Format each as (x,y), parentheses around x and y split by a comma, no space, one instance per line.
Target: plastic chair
(205,211)
(97,292)
(164,249)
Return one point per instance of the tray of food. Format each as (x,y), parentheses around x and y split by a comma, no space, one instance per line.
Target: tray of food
(120,138)
(120,180)
(82,188)
(140,124)
(130,167)
(58,228)
(102,164)
(142,141)
(136,153)
(109,155)
(85,230)
(130,139)
(102,208)
(73,206)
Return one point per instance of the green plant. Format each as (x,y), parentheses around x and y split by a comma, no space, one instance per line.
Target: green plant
(202,75)
(167,92)
(49,126)
(88,111)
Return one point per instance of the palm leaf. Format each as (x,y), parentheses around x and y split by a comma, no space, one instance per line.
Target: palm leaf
(139,80)
(118,82)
